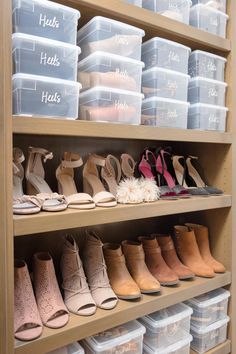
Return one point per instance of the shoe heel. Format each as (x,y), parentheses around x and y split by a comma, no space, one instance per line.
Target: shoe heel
(31,190)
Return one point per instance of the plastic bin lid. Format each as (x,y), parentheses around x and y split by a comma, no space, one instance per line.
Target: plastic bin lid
(156,70)
(213,296)
(46,79)
(204,79)
(167,316)
(205,105)
(44,41)
(110,90)
(74,348)
(107,55)
(212,327)
(159,39)
(208,54)
(115,336)
(170,348)
(162,99)
(210,9)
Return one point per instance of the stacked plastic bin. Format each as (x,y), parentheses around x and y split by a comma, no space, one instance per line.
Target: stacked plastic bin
(110,71)
(168,330)
(74,348)
(206,92)
(165,83)
(45,59)
(209,320)
(209,16)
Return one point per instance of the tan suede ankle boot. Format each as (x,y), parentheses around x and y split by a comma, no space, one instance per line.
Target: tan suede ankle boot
(188,251)
(155,262)
(134,256)
(202,238)
(170,257)
(120,279)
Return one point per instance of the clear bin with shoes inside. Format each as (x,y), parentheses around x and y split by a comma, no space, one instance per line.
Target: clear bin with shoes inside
(165,54)
(209,308)
(167,326)
(206,338)
(208,91)
(42,56)
(165,83)
(103,104)
(180,347)
(134,2)
(74,348)
(126,338)
(175,9)
(215,4)
(110,70)
(107,35)
(207,65)
(209,19)
(207,117)
(35,95)
(45,19)
(164,112)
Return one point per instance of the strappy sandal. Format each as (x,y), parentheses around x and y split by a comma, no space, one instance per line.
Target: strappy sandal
(93,185)
(66,183)
(111,175)
(22,204)
(36,183)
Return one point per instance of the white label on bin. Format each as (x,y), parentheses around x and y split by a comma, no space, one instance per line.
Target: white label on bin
(211,66)
(121,105)
(173,6)
(214,334)
(48,60)
(173,56)
(122,39)
(172,85)
(169,116)
(44,21)
(214,21)
(123,73)
(50,98)
(214,121)
(212,92)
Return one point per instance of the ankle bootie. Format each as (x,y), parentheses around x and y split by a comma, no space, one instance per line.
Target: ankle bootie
(96,272)
(52,310)
(188,251)
(202,238)
(121,281)
(77,295)
(27,321)
(155,262)
(170,257)
(135,260)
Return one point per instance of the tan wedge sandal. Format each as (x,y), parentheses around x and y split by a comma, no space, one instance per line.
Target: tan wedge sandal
(93,185)
(36,183)
(111,173)
(66,183)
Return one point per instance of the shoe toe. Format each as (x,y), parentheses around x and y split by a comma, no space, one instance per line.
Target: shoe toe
(57,322)
(27,334)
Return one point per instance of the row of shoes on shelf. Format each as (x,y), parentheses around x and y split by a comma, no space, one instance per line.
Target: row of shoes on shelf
(106,180)
(106,272)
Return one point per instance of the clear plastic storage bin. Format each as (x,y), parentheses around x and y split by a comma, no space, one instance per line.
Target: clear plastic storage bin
(176,9)
(45,19)
(74,348)
(167,326)
(104,34)
(206,338)
(207,117)
(206,65)
(41,56)
(202,90)
(126,338)
(165,83)
(35,95)
(165,54)
(215,4)
(180,347)
(208,19)
(164,112)
(110,105)
(209,308)
(134,2)
(105,69)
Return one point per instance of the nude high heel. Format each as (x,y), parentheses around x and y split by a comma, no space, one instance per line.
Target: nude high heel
(111,173)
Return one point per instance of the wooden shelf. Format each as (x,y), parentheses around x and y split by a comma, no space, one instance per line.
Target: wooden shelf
(81,327)
(152,23)
(71,218)
(224,348)
(45,126)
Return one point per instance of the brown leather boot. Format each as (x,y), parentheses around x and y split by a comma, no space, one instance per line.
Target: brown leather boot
(120,279)
(170,257)
(155,262)
(201,233)
(134,256)
(188,251)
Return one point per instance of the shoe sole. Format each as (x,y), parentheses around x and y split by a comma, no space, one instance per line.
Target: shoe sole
(129,297)
(170,283)
(150,291)
(187,277)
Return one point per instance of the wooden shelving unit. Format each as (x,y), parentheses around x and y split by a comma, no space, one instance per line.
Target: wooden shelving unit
(224,348)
